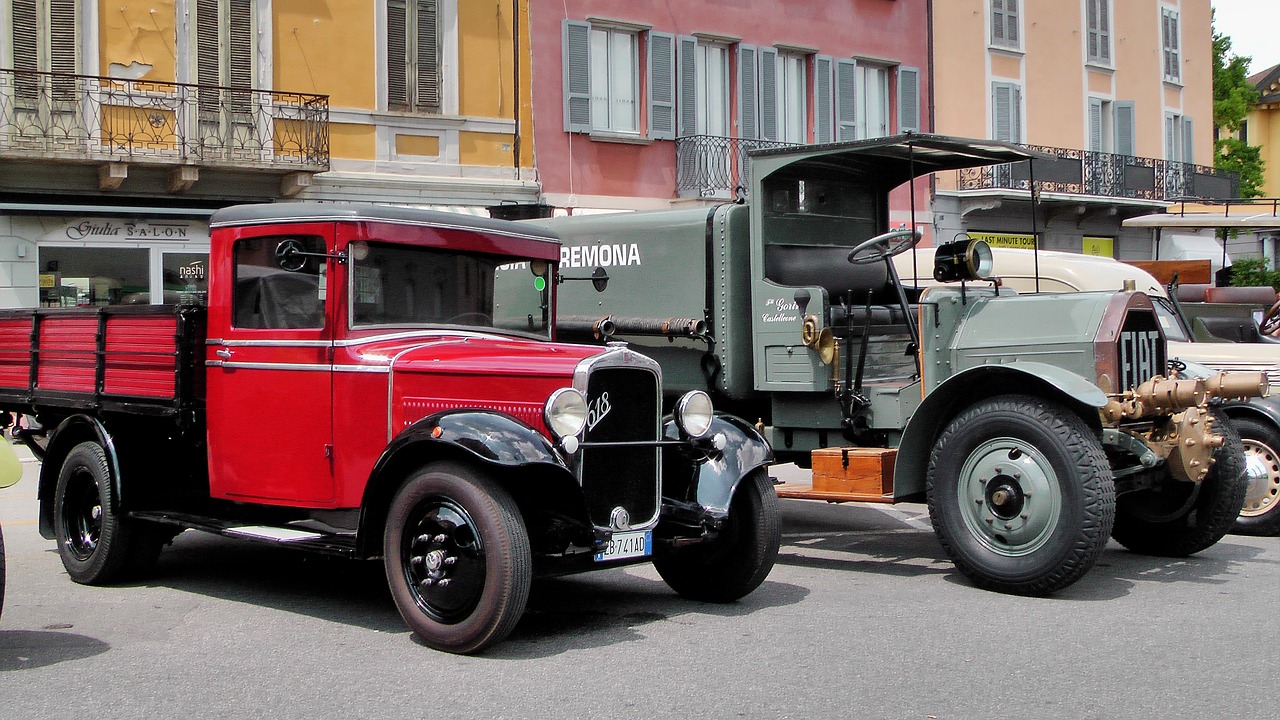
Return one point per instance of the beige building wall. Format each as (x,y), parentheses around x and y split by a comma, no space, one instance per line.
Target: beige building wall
(1050,66)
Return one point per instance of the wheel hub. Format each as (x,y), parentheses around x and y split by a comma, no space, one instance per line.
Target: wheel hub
(1262,467)
(443,560)
(1009,496)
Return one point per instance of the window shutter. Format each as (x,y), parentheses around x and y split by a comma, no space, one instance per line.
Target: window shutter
(997,20)
(1124,128)
(25,52)
(748,95)
(397,54)
(687,86)
(240,39)
(427,57)
(1011,21)
(577,76)
(846,100)
(1005,112)
(823,115)
(1091,27)
(1104,31)
(62,36)
(1095,124)
(908,99)
(208,59)
(662,86)
(1170,150)
(1188,142)
(768,94)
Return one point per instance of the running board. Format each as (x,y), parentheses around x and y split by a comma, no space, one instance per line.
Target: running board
(343,544)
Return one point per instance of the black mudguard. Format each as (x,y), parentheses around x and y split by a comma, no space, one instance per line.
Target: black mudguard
(701,474)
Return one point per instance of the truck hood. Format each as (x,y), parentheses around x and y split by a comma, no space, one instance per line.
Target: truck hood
(1247,357)
(474,354)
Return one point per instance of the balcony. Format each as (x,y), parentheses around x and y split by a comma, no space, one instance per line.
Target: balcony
(716,167)
(115,123)
(1083,172)
(709,166)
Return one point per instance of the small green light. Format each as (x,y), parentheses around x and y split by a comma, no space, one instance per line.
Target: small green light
(539,284)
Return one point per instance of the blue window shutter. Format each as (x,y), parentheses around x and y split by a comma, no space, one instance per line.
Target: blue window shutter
(768,94)
(662,86)
(846,100)
(1124,128)
(1188,142)
(908,99)
(1095,124)
(577,76)
(822,112)
(687,85)
(748,94)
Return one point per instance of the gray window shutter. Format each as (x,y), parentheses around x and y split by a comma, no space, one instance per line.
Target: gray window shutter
(427,57)
(1091,27)
(1104,31)
(1011,21)
(662,86)
(1169,147)
(748,94)
(997,21)
(62,35)
(1124,128)
(1095,124)
(1188,142)
(768,94)
(846,100)
(576,47)
(1006,111)
(240,40)
(25,53)
(822,112)
(397,54)
(908,99)
(687,58)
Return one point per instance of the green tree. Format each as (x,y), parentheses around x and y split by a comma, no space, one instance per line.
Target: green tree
(1232,96)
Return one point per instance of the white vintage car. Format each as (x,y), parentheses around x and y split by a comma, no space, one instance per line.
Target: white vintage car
(1258,420)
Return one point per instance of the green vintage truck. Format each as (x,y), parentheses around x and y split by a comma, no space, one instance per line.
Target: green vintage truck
(1035,426)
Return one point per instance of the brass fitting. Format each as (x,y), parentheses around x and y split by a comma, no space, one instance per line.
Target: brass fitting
(1238,385)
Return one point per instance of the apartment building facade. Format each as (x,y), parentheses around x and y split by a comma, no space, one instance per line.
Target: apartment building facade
(124,124)
(645,106)
(1118,94)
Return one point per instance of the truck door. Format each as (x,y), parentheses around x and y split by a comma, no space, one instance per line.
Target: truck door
(270,350)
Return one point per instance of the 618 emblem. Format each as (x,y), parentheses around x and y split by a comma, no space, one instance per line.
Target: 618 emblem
(597,409)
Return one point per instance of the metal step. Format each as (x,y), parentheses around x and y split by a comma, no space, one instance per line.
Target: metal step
(341,544)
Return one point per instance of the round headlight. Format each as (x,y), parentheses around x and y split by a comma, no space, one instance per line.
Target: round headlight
(694,413)
(981,261)
(565,412)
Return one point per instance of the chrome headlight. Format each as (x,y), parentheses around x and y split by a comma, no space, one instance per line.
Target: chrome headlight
(565,413)
(963,260)
(694,413)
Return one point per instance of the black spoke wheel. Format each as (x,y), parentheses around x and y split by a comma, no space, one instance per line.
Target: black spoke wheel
(96,543)
(1176,518)
(1020,494)
(737,561)
(1261,512)
(457,558)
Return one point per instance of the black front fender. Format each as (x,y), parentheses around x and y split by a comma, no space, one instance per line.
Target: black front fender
(707,476)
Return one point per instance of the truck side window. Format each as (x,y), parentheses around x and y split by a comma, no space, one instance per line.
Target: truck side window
(271,297)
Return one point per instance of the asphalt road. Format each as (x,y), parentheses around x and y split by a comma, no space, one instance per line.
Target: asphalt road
(863,617)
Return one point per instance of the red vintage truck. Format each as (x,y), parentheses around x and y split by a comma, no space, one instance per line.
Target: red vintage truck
(350,386)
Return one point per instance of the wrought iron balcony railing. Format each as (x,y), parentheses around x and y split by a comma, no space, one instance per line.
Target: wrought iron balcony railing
(714,166)
(82,118)
(1084,172)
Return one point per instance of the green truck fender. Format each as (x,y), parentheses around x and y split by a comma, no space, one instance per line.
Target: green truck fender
(969,386)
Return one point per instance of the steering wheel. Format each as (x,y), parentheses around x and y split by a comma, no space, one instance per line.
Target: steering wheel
(1270,320)
(884,246)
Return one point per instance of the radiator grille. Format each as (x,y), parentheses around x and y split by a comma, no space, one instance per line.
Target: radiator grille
(623,406)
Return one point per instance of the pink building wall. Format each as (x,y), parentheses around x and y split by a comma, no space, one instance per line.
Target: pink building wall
(572,165)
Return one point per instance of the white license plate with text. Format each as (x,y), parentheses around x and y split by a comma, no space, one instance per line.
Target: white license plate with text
(637,543)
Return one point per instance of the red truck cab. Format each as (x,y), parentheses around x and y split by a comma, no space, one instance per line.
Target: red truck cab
(353,386)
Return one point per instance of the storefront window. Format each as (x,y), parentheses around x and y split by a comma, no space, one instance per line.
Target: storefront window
(185,277)
(81,277)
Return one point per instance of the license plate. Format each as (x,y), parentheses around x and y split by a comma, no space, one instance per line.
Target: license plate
(637,543)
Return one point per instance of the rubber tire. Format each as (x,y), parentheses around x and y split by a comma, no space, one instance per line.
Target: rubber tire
(1268,523)
(736,562)
(125,549)
(1210,517)
(1085,486)
(508,558)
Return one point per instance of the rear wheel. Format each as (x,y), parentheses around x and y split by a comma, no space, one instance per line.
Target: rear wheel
(1261,512)
(97,545)
(1177,519)
(457,558)
(737,561)
(1020,494)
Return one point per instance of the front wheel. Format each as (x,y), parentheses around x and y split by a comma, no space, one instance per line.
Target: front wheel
(1020,494)
(737,561)
(1261,512)
(1176,518)
(457,558)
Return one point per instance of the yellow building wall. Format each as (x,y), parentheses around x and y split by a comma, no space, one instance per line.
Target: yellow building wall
(326,48)
(349,140)
(1264,130)
(487,78)
(138,32)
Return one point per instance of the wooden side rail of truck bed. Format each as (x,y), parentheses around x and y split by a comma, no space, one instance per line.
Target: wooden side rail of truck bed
(141,359)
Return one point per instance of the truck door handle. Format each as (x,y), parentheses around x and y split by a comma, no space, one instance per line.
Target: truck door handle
(223,353)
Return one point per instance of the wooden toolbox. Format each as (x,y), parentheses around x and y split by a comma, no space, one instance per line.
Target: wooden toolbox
(858,471)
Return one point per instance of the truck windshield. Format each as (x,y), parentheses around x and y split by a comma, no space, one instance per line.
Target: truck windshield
(1169,320)
(402,285)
